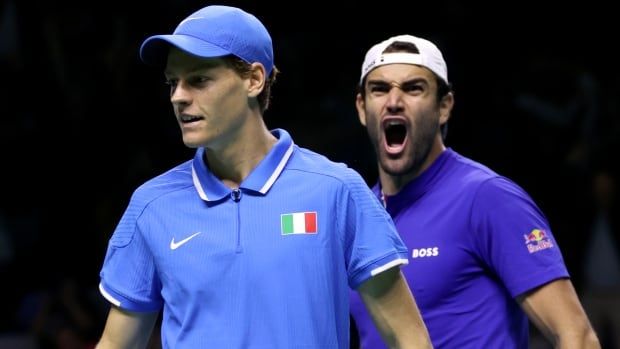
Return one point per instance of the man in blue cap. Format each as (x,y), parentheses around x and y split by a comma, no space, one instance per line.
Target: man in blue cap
(254,242)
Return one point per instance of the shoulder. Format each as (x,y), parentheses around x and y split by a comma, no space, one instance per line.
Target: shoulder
(479,177)
(471,171)
(320,174)
(308,163)
(490,193)
(173,180)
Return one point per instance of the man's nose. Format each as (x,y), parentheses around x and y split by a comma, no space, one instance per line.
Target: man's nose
(395,97)
(179,94)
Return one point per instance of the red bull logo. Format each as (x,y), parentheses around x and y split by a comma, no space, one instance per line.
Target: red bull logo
(537,240)
(535,235)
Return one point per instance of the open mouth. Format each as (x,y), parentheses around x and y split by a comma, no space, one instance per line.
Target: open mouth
(186,118)
(395,135)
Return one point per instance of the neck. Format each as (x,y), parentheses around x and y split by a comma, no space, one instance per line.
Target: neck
(233,163)
(393,184)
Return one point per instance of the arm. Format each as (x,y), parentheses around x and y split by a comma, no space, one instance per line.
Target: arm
(127,330)
(394,311)
(555,310)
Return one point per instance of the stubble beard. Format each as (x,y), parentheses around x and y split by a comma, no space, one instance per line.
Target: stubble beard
(411,160)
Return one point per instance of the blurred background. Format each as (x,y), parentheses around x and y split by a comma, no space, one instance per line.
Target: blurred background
(84,122)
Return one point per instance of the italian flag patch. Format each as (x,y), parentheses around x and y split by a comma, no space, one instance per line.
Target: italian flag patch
(298,223)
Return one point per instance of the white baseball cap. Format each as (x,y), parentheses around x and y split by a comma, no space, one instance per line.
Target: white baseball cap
(429,56)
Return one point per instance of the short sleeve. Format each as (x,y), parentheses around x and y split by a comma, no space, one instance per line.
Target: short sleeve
(514,238)
(128,276)
(372,243)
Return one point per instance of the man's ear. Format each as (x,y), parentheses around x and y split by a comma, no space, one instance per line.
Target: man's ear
(445,108)
(360,106)
(257,79)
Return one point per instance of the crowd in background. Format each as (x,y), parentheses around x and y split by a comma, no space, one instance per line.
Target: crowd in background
(84,122)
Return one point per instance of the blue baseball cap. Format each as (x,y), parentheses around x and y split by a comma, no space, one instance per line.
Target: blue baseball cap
(214,31)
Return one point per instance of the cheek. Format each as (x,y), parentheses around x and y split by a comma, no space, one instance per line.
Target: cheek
(214,103)
(372,111)
(426,124)
(232,99)
(373,122)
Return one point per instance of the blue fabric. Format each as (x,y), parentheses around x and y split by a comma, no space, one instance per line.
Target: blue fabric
(214,31)
(223,271)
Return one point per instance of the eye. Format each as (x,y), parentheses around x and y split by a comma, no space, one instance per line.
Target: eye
(199,80)
(412,87)
(378,88)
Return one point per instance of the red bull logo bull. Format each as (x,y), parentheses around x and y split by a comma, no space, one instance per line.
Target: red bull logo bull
(535,235)
(537,240)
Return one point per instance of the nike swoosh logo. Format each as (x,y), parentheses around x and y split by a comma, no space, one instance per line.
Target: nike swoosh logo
(175,245)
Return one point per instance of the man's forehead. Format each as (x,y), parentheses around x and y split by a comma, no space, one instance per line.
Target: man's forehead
(400,74)
(401,71)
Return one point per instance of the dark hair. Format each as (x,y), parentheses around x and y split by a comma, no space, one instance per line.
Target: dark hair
(443,87)
(243,68)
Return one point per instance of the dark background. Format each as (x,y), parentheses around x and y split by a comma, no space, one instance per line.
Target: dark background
(84,122)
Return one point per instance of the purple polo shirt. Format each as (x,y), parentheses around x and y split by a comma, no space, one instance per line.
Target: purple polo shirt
(476,241)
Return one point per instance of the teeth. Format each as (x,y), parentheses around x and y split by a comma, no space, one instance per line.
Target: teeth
(390,123)
(189,118)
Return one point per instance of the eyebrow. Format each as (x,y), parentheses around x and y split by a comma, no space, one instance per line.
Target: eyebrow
(406,82)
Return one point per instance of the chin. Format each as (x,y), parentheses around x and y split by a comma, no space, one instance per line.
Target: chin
(191,143)
(394,167)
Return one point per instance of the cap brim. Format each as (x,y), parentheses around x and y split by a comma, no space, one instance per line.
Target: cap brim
(154,50)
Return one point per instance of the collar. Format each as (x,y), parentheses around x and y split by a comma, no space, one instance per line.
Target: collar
(413,190)
(260,179)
